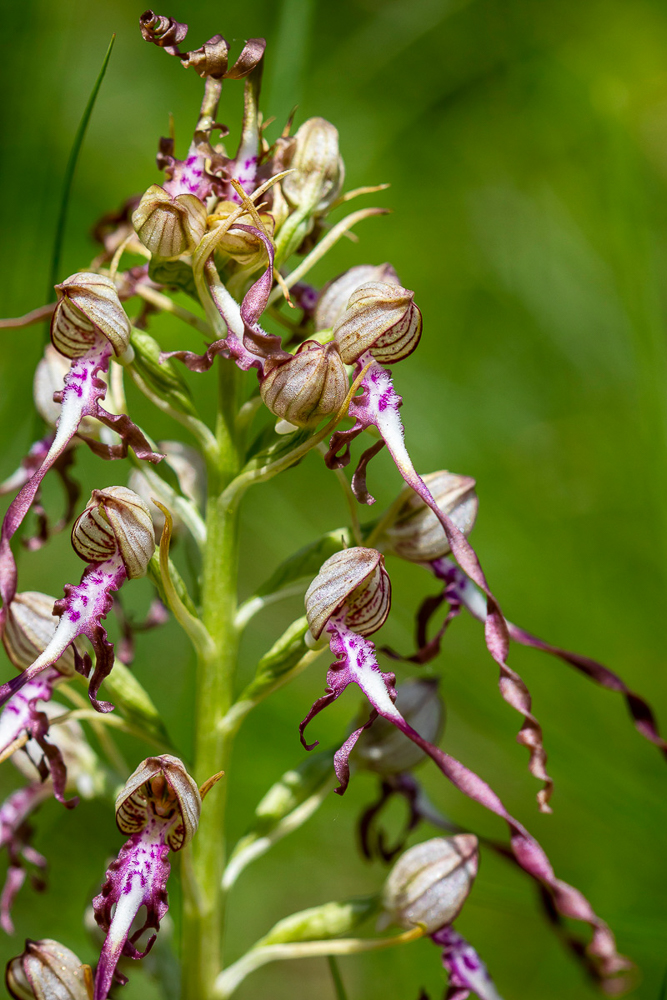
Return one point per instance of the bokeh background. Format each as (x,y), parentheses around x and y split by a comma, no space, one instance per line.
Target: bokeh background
(526,147)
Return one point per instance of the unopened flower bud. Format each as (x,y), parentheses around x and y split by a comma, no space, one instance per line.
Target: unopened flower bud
(335,296)
(429,884)
(384,749)
(88,305)
(311,385)
(381,318)
(320,923)
(417,534)
(244,247)
(29,628)
(356,580)
(116,519)
(47,970)
(160,788)
(169,226)
(317,167)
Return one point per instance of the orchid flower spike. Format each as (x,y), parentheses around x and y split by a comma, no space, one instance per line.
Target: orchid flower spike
(89,326)
(416,535)
(115,535)
(159,807)
(350,599)
(73,767)
(47,970)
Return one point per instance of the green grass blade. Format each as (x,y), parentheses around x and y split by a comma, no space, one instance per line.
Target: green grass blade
(69,174)
(337,978)
(663,988)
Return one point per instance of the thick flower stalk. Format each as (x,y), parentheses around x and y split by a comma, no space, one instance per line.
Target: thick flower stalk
(115,535)
(159,807)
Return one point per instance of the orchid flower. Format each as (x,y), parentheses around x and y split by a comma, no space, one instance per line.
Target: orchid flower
(159,807)
(427,887)
(350,599)
(115,535)
(89,326)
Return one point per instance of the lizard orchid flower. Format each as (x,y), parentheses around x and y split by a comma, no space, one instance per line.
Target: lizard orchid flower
(427,888)
(350,599)
(159,808)
(89,326)
(115,535)
(171,219)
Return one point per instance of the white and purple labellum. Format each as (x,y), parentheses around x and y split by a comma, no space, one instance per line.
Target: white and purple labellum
(80,398)
(160,806)
(81,612)
(138,877)
(467,972)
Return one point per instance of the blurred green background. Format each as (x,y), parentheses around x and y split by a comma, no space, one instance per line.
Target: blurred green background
(526,146)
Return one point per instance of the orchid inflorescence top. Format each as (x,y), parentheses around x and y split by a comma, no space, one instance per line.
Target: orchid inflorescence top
(224,230)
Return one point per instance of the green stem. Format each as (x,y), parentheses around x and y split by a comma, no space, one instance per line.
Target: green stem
(204,867)
(261,955)
(339,986)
